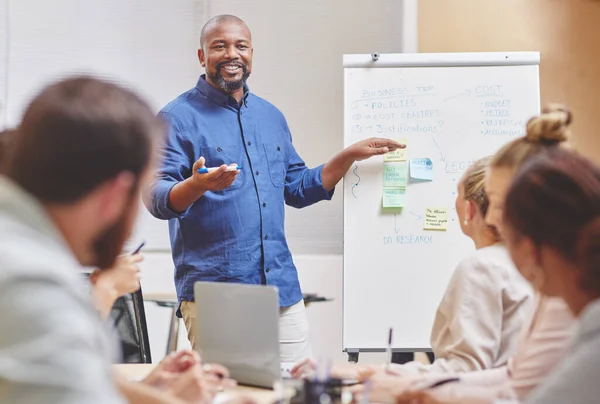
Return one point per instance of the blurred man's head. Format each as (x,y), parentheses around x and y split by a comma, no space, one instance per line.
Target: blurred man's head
(6,138)
(83,149)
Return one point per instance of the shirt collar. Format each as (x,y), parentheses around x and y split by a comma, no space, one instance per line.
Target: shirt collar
(22,206)
(218,96)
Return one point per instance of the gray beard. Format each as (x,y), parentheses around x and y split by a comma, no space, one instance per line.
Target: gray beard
(229,87)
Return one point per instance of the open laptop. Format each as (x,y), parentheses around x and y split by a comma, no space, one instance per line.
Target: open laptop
(237,326)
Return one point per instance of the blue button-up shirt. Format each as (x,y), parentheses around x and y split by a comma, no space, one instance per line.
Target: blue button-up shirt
(237,234)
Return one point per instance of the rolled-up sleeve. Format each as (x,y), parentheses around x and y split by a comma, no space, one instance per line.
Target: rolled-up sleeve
(303,185)
(176,166)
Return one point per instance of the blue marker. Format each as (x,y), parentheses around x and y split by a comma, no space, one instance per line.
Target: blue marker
(205,170)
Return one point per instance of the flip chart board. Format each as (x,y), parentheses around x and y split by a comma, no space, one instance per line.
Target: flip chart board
(402,239)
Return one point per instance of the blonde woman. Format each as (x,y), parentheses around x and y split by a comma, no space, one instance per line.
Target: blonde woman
(485,306)
(487,301)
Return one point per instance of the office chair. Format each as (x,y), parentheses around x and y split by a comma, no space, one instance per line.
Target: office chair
(129,319)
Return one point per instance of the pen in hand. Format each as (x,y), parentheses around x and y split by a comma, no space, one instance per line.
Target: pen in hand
(137,250)
(389,350)
(205,170)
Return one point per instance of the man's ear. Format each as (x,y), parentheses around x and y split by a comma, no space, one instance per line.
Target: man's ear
(115,194)
(201,57)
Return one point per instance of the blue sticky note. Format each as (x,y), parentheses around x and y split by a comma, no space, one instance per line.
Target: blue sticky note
(421,169)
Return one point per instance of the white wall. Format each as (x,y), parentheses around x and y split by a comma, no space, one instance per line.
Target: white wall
(297,66)
(134,42)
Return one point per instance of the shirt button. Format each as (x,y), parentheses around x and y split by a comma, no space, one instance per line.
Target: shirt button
(257,173)
(278,148)
(219,149)
(249,143)
(264,204)
(266,237)
(268,270)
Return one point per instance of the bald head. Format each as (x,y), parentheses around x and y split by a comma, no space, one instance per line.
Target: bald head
(226,54)
(216,21)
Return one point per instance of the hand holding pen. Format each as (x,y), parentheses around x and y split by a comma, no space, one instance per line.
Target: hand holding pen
(213,178)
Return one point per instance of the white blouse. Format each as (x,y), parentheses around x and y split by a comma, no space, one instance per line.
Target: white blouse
(478,322)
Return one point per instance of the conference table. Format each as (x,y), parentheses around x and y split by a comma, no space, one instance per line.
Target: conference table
(287,392)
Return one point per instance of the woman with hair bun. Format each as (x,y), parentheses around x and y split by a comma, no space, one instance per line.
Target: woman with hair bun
(545,339)
(485,306)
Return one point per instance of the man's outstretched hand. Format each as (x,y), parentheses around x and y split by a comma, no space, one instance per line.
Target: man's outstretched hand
(336,168)
(372,147)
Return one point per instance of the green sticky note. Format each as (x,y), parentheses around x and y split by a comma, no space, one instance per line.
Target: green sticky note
(395,175)
(394,198)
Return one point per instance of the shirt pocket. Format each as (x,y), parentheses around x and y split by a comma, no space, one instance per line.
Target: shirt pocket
(276,162)
(217,155)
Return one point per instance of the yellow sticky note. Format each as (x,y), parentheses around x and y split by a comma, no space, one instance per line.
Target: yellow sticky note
(395,174)
(435,219)
(398,154)
(394,198)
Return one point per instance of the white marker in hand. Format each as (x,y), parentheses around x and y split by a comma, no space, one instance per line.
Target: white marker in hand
(232,167)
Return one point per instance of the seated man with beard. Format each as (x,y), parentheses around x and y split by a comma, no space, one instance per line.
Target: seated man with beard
(68,199)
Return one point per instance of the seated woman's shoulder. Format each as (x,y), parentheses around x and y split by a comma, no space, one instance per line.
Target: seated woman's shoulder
(494,259)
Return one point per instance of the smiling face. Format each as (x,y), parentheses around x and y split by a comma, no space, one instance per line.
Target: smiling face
(226,54)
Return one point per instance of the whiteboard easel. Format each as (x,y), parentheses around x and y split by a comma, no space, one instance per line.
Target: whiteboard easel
(452,109)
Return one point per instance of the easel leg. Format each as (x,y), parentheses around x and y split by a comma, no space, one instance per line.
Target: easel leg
(402,357)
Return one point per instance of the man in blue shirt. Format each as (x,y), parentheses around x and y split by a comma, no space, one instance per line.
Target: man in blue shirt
(227,225)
